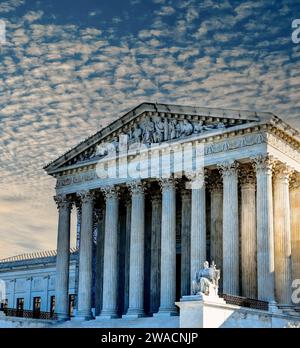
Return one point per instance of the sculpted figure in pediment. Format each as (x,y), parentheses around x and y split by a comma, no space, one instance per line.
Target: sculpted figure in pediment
(172,129)
(159,130)
(186,128)
(149,129)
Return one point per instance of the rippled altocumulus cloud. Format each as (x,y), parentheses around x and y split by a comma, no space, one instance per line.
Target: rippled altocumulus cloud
(68,70)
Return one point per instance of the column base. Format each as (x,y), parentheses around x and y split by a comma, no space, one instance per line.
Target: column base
(83,316)
(166,312)
(133,313)
(273,307)
(62,317)
(107,314)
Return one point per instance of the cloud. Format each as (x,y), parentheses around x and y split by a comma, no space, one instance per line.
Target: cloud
(9,6)
(165,11)
(61,80)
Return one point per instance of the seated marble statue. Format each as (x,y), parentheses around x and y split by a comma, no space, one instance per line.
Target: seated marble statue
(206,280)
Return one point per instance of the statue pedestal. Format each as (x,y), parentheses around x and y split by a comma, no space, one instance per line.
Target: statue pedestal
(203,311)
(2,314)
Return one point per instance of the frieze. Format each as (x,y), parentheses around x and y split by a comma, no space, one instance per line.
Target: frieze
(282,146)
(76,179)
(232,144)
(209,149)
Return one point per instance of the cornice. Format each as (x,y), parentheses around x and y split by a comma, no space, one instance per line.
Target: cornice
(219,142)
(162,110)
(206,138)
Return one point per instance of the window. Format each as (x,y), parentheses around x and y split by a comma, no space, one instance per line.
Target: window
(4,304)
(71,305)
(52,305)
(20,307)
(36,307)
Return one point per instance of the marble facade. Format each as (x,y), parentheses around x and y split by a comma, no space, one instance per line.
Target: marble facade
(34,275)
(239,209)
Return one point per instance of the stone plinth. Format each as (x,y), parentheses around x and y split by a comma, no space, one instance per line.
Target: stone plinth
(201,311)
(207,312)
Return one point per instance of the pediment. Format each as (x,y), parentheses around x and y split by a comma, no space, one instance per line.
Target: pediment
(153,124)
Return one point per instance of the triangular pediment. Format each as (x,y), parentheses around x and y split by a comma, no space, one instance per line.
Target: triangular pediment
(151,123)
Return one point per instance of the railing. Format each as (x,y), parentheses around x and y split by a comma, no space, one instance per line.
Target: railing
(245,302)
(22,313)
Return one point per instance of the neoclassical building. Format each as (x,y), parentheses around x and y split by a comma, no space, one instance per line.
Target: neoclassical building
(166,187)
(30,281)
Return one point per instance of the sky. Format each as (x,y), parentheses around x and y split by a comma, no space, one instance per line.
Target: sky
(68,68)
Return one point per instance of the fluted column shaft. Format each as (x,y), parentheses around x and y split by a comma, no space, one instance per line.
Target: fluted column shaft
(248,233)
(110,272)
(185,242)
(168,249)
(99,262)
(230,229)
(264,229)
(216,221)
(198,223)
(295,225)
(137,240)
(86,257)
(282,233)
(155,253)
(62,259)
(127,255)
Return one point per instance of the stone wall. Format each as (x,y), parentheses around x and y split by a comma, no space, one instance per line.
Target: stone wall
(215,313)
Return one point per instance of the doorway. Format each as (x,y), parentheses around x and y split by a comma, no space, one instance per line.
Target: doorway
(36,307)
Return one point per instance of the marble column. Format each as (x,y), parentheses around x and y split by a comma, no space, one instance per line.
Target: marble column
(216,220)
(295,224)
(198,222)
(185,242)
(78,228)
(137,240)
(155,253)
(78,224)
(264,229)
(282,234)
(168,248)
(85,257)
(248,232)
(230,228)
(127,254)
(110,272)
(63,255)
(99,262)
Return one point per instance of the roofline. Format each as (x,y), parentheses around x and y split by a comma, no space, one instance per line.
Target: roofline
(162,108)
(38,255)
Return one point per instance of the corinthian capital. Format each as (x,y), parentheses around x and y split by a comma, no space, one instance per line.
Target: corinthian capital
(263,164)
(228,168)
(197,179)
(136,187)
(86,196)
(295,181)
(167,183)
(63,202)
(282,172)
(110,191)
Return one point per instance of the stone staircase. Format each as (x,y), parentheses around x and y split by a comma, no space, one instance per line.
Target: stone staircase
(292,311)
(147,322)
